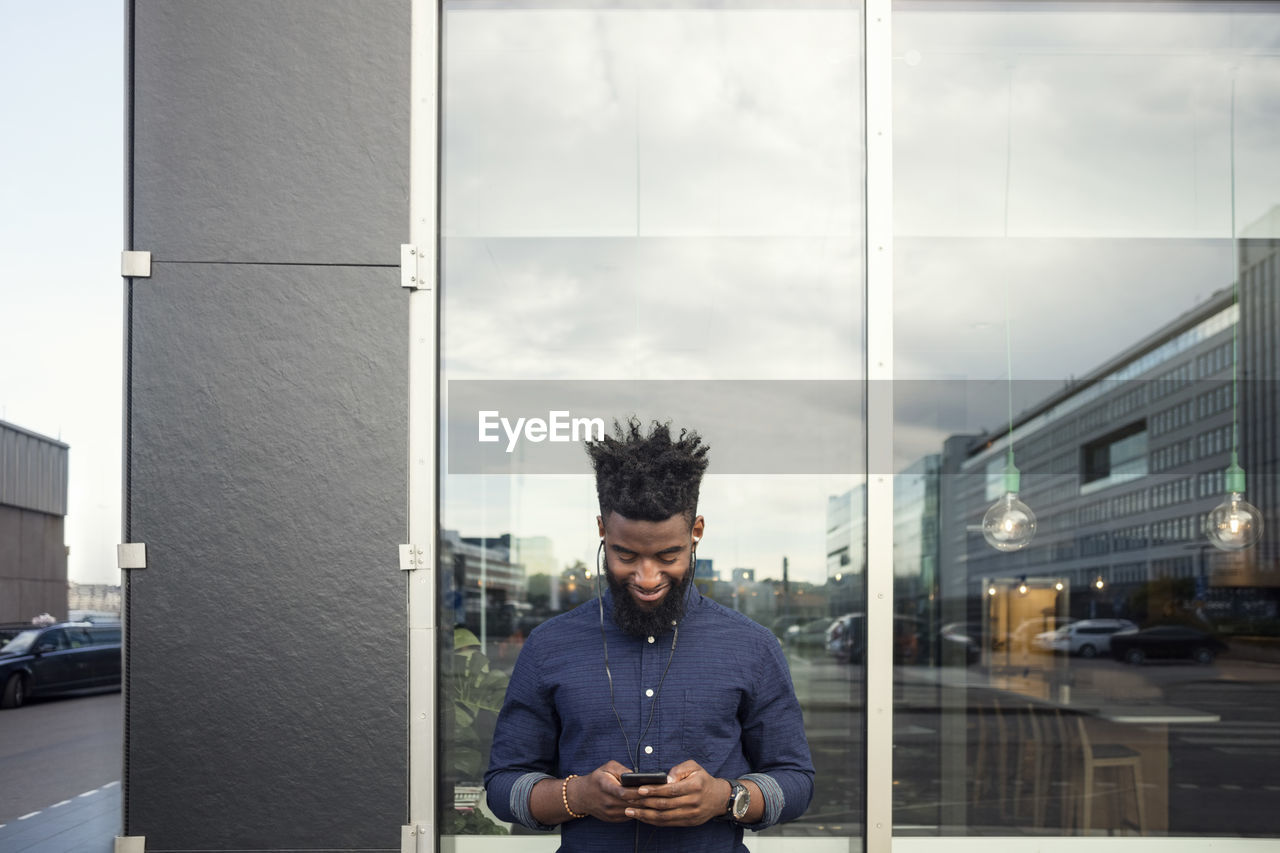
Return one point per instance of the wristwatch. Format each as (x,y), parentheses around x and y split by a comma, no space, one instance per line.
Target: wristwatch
(739,801)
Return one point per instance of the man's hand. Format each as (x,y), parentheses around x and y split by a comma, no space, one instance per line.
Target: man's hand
(601,794)
(692,799)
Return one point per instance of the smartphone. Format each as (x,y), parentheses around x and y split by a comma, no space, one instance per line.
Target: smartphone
(635,780)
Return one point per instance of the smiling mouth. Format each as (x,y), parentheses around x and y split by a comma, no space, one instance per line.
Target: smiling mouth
(649,595)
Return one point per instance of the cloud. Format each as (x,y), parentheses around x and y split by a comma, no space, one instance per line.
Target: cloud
(660,308)
(564,122)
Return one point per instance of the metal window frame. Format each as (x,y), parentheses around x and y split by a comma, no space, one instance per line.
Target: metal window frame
(421,831)
(877,34)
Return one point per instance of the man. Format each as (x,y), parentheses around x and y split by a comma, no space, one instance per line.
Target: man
(651,676)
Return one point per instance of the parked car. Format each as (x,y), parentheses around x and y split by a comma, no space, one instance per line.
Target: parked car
(1165,642)
(807,638)
(1021,638)
(846,639)
(64,658)
(1087,638)
(960,641)
(781,624)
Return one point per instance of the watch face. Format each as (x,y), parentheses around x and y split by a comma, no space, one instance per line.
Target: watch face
(741,801)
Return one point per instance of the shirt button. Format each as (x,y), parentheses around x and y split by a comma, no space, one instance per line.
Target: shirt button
(651,639)
(649,692)
(648,750)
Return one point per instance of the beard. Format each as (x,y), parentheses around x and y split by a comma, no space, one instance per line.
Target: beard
(640,622)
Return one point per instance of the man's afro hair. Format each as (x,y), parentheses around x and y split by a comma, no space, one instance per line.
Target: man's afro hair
(648,477)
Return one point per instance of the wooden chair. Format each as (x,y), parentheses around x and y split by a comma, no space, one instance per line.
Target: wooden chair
(1099,756)
(1056,768)
(1033,751)
(991,760)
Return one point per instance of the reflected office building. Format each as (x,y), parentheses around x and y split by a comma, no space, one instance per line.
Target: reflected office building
(486,585)
(1121,468)
(847,550)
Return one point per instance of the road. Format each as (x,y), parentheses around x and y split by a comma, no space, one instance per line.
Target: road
(60,762)
(1222,776)
(60,759)
(1222,779)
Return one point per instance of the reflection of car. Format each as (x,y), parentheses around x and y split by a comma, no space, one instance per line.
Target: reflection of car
(1163,642)
(961,641)
(808,637)
(846,639)
(782,624)
(63,658)
(1087,638)
(1020,639)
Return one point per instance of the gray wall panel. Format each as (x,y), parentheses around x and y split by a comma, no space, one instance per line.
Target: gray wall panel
(33,565)
(53,551)
(271,130)
(36,597)
(33,471)
(10,541)
(266,704)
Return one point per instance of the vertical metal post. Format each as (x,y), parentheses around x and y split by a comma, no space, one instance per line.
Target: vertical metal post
(878,55)
(421,582)
(126,429)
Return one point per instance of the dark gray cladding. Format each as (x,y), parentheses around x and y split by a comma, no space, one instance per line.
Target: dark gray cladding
(267,379)
(267,631)
(271,130)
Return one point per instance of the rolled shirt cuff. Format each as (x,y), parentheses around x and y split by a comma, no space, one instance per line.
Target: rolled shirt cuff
(774,800)
(521,794)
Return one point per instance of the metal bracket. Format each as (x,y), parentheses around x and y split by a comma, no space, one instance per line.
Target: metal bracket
(414,838)
(410,275)
(131,844)
(131,555)
(135,264)
(414,557)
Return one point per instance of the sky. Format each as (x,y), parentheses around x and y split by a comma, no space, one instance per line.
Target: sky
(570,135)
(61,234)
(658,195)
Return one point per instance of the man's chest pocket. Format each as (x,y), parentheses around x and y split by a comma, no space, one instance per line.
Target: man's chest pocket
(710,733)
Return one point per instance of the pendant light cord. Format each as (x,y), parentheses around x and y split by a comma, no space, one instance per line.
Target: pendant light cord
(1235,289)
(1008,346)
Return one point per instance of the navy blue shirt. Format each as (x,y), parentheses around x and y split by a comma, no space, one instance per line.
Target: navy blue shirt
(727,703)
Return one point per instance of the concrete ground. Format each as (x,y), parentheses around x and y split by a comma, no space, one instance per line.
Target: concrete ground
(86,823)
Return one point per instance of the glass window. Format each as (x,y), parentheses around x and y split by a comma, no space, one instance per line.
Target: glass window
(653,211)
(52,640)
(1078,188)
(20,642)
(1119,457)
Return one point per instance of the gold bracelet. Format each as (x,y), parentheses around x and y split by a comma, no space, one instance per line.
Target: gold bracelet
(564,795)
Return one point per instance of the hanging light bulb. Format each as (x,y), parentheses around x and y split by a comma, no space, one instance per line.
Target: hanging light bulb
(1009,524)
(1234,524)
